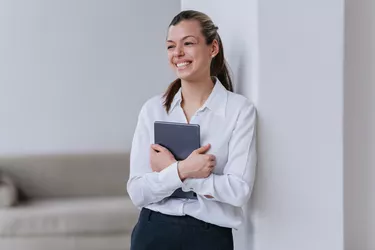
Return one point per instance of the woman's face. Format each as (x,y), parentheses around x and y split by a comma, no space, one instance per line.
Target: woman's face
(188,54)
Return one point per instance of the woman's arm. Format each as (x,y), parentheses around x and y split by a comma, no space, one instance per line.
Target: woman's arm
(235,185)
(145,186)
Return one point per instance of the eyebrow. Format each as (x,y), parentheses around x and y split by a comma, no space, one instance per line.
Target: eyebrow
(184,38)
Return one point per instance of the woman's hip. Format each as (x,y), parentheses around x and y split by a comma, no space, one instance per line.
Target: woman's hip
(155,230)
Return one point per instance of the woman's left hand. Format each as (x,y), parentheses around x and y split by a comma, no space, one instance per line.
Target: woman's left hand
(160,158)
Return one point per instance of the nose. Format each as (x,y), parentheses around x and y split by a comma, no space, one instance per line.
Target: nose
(179,51)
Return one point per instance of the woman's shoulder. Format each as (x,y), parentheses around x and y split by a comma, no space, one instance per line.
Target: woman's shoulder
(241,108)
(153,104)
(154,101)
(238,101)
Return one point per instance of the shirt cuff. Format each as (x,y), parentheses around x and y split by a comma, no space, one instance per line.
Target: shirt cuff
(169,177)
(190,184)
(186,185)
(199,185)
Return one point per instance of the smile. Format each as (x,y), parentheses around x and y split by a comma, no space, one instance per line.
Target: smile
(182,65)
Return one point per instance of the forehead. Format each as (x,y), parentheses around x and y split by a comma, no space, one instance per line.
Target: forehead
(183,29)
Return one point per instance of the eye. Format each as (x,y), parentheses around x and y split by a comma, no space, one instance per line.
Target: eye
(188,43)
(170,47)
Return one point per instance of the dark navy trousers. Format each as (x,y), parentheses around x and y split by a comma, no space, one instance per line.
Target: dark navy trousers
(156,231)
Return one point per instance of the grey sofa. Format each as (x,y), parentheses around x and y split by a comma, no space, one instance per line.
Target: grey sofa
(73,202)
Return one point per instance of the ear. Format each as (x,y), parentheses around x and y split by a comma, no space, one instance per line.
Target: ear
(214,48)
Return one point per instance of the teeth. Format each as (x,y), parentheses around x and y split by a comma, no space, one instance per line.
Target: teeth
(182,64)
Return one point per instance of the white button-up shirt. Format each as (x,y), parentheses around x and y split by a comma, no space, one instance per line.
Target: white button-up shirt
(227,121)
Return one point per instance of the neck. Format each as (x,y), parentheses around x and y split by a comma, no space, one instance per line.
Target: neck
(195,93)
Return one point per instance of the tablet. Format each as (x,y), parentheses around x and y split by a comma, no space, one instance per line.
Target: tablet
(181,139)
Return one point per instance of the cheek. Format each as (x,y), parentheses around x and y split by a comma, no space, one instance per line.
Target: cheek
(202,58)
(170,61)
(203,62)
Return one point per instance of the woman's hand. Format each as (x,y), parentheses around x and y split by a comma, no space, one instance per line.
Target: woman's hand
(198,164)
(160,158)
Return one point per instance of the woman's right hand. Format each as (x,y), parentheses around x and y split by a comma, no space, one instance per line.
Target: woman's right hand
(198,164)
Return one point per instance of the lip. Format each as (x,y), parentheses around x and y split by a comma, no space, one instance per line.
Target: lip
(182,61)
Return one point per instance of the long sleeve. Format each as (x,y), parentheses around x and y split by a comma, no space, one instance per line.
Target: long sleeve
(234,186)
(145,186)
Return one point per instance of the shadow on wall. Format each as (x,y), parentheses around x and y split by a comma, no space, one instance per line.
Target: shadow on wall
(244,237)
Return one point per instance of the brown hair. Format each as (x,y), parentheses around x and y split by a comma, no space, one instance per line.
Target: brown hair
(218,68)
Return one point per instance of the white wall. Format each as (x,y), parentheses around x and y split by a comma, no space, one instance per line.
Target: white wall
(299,200)
(74,74)
(360,125)
(295,78)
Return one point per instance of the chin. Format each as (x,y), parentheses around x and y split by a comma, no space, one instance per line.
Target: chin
(187,76)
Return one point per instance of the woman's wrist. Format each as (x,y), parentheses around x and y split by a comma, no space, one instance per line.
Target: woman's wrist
(180,170)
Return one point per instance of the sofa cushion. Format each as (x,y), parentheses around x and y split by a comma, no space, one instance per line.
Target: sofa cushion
(86,216)
(8,191)
(71,175)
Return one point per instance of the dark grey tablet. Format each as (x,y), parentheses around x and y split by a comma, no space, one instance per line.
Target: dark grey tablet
(181,140)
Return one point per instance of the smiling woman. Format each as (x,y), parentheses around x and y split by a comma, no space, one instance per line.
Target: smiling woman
(221,172)
(195,48)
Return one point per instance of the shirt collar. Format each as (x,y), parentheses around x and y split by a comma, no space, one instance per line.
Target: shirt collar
(216,102)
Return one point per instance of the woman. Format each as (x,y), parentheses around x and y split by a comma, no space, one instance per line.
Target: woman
(221,172)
